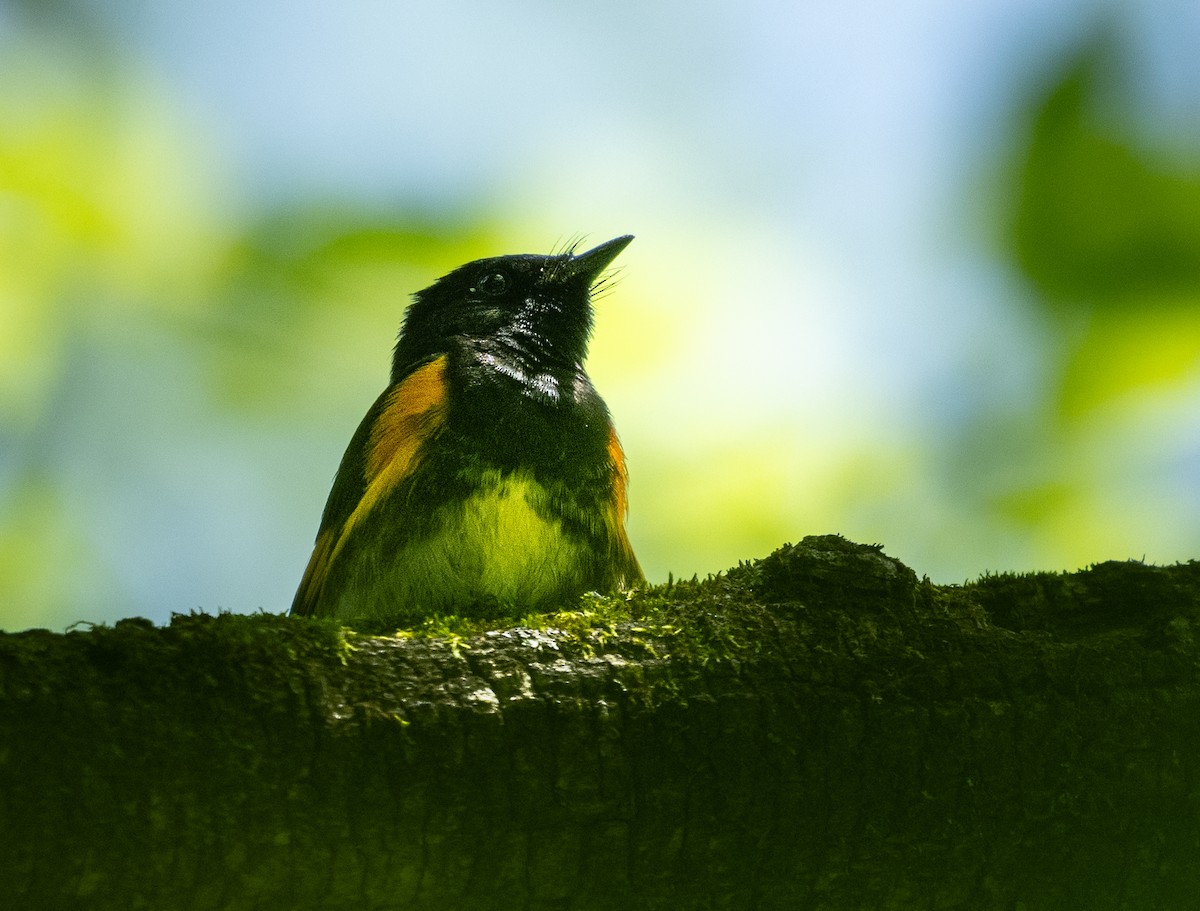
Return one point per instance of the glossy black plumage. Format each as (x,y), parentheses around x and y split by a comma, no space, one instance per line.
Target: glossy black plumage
(489,472)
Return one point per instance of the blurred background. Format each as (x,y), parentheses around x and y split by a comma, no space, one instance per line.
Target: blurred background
(926,273)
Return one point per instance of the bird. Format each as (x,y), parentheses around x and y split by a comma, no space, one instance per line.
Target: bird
(487,478)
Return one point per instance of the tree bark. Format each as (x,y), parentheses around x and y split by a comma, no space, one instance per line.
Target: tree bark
(817,730)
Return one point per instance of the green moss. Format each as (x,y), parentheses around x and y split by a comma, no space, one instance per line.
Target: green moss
(827,584)
(703,619)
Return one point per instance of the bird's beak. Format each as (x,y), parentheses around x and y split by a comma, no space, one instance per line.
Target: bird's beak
(596,260)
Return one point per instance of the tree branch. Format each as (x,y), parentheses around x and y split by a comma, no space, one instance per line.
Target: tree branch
(819,729)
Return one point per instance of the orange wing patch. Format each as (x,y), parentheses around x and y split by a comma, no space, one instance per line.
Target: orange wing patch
(416,405)
(413,412)
(616,455)
(630,572)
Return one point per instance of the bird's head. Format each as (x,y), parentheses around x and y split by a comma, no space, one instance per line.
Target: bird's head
(535,308)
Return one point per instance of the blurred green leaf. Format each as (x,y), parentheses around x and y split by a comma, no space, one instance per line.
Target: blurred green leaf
(1125,352)
(1098,218)
(1108,232)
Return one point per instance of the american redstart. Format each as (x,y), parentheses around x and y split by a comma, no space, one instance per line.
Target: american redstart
(488,473)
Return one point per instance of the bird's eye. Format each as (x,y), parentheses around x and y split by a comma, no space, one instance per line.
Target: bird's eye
(494,283)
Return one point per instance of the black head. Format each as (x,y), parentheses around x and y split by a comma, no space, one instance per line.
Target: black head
(538,308)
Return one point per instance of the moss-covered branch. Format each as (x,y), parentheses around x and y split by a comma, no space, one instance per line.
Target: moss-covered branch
(817,730)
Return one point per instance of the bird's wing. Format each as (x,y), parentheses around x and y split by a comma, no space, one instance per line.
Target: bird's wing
(384,451)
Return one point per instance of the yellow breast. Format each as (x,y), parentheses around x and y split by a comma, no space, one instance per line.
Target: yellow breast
(511,548)
(497,545)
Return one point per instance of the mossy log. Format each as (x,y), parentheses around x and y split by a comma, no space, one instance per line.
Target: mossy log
(819,730)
